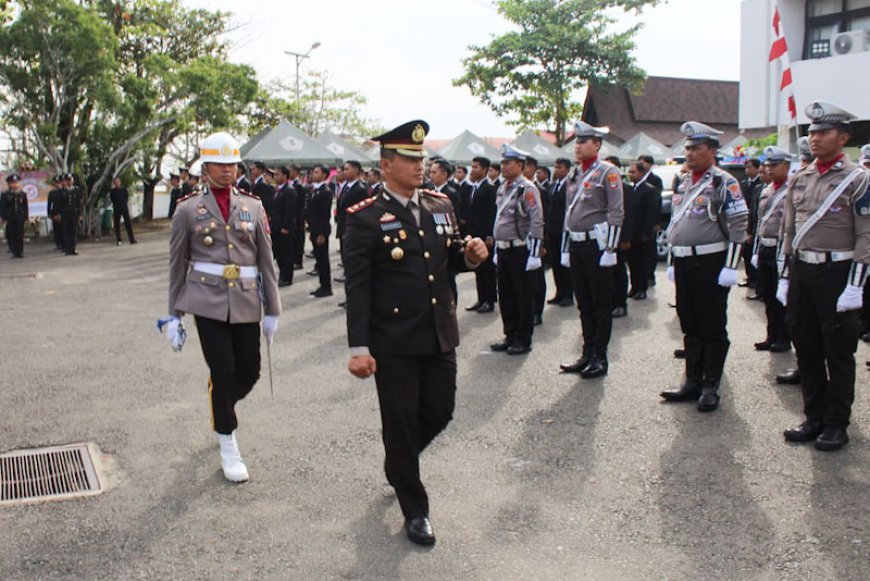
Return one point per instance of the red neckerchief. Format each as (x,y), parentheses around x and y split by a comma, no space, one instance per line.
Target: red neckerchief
(587,163)
(825,166)
(697,175)
(777,185)
(222,197)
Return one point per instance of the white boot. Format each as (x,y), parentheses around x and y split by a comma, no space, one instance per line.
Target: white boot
(231,460)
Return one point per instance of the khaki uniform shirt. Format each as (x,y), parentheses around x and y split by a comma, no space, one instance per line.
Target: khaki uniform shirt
(594,197)
(770,228)
(718,214)
(844,227)
(200,234)
(519,215)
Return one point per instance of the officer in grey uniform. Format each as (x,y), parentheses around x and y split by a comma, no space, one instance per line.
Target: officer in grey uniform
(518,233)
(706,235)
(770,210)
(825,257)
(222,272)
(593,225)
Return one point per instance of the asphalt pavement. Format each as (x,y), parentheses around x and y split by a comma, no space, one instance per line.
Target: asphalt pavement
(539,476)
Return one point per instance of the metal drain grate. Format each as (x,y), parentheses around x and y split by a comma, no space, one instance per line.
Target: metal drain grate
(47,474)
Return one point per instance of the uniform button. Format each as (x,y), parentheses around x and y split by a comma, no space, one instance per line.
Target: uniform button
(231,285)
(431,278)
(395,311)
(202,279)
(434,301)
(421,233)
(230,246)
(228,227)
(426,254)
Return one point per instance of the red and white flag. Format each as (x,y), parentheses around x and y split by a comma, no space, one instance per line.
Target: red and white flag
(779,53)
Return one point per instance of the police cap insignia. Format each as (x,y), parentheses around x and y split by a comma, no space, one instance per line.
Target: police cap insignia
(406,139)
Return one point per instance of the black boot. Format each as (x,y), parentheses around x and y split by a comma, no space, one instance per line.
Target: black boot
(715,353)
(578,365)
(691,388)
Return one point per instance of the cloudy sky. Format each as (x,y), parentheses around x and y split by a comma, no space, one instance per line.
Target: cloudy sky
(403,54)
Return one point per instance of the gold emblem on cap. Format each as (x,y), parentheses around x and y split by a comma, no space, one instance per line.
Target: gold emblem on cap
(226,150)
(397,253)
(418,134)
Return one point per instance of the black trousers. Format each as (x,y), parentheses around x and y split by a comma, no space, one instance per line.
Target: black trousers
(825,340)
(593,289)
(653,258)
(321,261)
(69,226)
(299,246)
(282,248)
(865,311)
(232,353)
(485,278)
(116,216)
(768,279)
(561,274)
(540,291)
(516,295)
(702,306)
(57,232)
(620,280)
(417,395)
(639,257)
(751,271)
(15,237)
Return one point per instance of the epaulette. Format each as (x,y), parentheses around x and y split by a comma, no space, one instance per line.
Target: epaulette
(361,205)
(436,194)
(249,194)
(188,196)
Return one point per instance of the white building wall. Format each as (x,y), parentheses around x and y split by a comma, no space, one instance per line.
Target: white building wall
(838,79)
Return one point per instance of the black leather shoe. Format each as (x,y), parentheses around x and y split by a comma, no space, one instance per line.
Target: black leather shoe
(640,296)
(312,272)
(619,312)
(597,368)
(632,293)
(566,302)
(679,353)
(502,346)
(339,279)
(474,307)
(297,267)
(652,282)
(866,337)
(517,349)
(539,320)
(554,300)
(419,531)
(322,292)
(689,391)
(753,298)
(790,377)
(832,439)
(743,284)
(780,347)
(763,346)
(806,432)
(577,366)
(486,308)
(709,399)
(342,305)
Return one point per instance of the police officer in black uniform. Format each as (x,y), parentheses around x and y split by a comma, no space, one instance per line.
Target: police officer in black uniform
(400,249)
(71,203)
(53,212)
(120,209)
(14,213)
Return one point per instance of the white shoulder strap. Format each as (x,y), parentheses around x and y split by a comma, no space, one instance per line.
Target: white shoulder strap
(823,209)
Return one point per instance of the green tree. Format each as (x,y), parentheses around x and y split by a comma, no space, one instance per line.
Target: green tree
(533,74)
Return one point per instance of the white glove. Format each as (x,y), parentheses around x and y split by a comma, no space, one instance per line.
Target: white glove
(607,259)
(565,259)
(533,263)
(270,325)
(754,261)
(782,291)
(494,256)
(727,277)
(852,299)
(176,334)
(671,276)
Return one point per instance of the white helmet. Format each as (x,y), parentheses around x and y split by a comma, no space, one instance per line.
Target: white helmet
(219,148)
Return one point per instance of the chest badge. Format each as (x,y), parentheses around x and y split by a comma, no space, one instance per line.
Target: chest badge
(387,217)
(397,253)
(208,240)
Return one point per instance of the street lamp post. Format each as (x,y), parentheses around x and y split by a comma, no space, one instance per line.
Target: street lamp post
(299,59)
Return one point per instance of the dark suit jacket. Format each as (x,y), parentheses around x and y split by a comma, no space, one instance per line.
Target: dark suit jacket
(642,211)
(453,194)
(284,209)
(656,182)
(244,185)
(399,295)
(266,193)
(481,210)
(355,194)
(554,219)
(119,197)
(319,210)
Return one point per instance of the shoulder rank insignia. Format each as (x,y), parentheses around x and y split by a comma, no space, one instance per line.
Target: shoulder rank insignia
(249,194)
(436,194)
(360,205)
(187,197)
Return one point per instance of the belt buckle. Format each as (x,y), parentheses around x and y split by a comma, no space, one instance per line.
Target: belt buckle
(232,272)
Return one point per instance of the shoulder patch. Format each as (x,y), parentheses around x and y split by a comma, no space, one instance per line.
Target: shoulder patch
(249,194)
(361,205)
(435,194)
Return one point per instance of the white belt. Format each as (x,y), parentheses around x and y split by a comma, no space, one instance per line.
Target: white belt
(228,271)
(823,257)
(768,242)
(582,236)
(703,249)
(505,244)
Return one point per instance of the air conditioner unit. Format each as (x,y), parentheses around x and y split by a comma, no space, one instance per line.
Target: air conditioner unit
(851,42)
